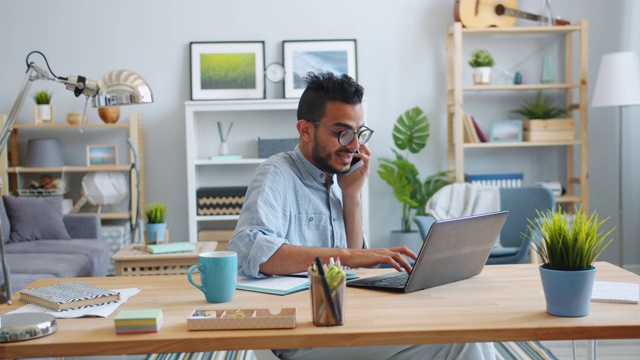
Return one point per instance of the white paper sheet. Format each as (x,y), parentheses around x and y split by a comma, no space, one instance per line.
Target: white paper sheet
(90,311)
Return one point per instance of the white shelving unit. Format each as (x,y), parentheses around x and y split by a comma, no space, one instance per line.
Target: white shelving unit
(267,119)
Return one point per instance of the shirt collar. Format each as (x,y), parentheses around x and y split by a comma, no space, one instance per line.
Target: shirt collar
(316,174)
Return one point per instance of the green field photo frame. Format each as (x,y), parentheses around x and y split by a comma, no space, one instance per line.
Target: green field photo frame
(227,70)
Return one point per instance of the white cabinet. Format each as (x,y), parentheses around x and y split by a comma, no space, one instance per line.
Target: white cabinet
(252,119)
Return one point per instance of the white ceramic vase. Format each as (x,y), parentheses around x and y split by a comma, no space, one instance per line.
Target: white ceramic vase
(482,75)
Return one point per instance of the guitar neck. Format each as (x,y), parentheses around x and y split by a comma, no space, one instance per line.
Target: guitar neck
(502,10)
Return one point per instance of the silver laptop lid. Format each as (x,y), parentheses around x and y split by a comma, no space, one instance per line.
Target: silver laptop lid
(455,249)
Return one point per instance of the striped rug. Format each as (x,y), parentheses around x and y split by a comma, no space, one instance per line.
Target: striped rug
(516,350)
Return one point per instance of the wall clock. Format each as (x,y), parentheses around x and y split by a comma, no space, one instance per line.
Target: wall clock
(274,72)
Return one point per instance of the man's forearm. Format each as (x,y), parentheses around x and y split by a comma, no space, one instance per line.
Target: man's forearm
(290,259)
(352,212)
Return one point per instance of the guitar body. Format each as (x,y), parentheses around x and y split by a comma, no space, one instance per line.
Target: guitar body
(482,14)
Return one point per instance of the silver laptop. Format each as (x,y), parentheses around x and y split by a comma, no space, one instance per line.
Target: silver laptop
(455,249)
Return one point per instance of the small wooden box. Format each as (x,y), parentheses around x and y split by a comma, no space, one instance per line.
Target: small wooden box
(235,319)
(549,130)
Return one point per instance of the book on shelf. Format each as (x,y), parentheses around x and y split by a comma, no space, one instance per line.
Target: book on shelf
(470,134)
(500,180)
(479,132)
(68,296)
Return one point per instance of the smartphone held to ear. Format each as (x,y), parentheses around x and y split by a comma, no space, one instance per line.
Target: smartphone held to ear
(356,163)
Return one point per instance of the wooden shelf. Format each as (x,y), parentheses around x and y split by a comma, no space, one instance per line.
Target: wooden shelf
(573,85)
(24,170)
(520,30)
(519,87)
(55,126)
(490,145)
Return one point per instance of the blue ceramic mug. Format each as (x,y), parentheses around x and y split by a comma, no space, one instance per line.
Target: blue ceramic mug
(218,275)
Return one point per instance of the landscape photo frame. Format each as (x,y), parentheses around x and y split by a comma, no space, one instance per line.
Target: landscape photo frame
(102,155)
(227,70)
(506,131)
(304,56)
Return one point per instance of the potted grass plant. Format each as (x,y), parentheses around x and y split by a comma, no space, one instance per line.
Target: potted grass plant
(156,225)
(44,110)
(481,61)
(410,135)
(568,252)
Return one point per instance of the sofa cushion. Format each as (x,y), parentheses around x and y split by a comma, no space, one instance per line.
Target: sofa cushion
(96,252)
(66,265)
(35,218)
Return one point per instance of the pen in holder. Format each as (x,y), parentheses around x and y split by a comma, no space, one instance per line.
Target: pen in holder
(328,291)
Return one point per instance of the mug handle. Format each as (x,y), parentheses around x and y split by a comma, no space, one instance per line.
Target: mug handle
(189,274)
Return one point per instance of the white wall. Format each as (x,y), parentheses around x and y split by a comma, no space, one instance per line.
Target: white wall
(401,64)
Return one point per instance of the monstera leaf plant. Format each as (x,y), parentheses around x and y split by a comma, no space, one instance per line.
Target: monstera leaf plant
(410,135)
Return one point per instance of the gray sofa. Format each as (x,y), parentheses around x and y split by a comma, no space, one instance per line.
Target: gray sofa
(41,242)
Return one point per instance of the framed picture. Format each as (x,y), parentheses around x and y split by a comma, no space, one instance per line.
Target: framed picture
(102,155)
(302,56)
(227,70)
(506,131)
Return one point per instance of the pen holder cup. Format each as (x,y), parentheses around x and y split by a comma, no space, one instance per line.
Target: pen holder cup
(327,309)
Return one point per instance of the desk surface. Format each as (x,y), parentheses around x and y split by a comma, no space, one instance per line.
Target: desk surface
(503,303)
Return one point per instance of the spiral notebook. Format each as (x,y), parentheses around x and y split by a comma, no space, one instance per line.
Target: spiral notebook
(68,296)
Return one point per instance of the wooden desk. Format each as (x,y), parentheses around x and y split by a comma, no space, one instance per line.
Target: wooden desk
(504,303)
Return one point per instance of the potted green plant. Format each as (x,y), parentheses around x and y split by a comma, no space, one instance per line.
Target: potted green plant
(44,110)
(481,61)
(540,108)
(156,225)
(410,135)
(568,251)
(544,121)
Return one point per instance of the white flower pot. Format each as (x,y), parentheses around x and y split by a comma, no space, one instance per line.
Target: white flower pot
(482,75)
(44,113)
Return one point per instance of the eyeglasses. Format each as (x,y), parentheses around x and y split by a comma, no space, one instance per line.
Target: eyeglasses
(345,137)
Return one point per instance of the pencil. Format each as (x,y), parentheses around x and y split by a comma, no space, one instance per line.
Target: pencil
(327,292)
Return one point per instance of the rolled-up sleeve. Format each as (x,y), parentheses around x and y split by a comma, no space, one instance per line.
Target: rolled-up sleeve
(262,224)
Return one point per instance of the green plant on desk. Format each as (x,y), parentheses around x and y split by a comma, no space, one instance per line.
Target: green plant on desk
(156,224)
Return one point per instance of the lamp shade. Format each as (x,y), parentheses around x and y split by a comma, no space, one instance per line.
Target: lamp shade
(618,82)
(44,153)
(122,87)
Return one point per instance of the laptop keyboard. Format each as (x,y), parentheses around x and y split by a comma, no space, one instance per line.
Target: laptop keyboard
(398,280)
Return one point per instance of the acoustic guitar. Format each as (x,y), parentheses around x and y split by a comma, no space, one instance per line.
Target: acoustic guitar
(496,13)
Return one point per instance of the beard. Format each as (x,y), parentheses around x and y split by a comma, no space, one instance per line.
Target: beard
(322,157)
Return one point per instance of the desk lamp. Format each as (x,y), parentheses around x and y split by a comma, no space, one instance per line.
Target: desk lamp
(118,87)
(618,84)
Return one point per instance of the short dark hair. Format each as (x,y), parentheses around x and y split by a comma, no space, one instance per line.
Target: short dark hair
(325,87)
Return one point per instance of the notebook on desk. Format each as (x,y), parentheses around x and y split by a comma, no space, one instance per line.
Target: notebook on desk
(454,249)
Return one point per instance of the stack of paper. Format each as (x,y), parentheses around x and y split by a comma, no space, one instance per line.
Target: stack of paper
(138,321)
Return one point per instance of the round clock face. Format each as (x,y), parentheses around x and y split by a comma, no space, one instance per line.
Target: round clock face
(275,72)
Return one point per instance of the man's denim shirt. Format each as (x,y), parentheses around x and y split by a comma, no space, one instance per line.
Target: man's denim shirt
(286,203)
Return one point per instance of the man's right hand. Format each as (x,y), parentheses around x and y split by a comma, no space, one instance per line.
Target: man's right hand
(394,257)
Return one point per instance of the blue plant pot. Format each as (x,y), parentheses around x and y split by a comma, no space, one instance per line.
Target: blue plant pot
(155,232)
(567,292)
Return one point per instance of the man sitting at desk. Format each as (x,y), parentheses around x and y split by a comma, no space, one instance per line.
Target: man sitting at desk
(294,210)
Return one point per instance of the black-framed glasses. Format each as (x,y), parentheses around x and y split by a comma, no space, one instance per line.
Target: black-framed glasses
(345,137)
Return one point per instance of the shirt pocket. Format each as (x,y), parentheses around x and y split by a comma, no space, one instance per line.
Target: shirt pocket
(312,230)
